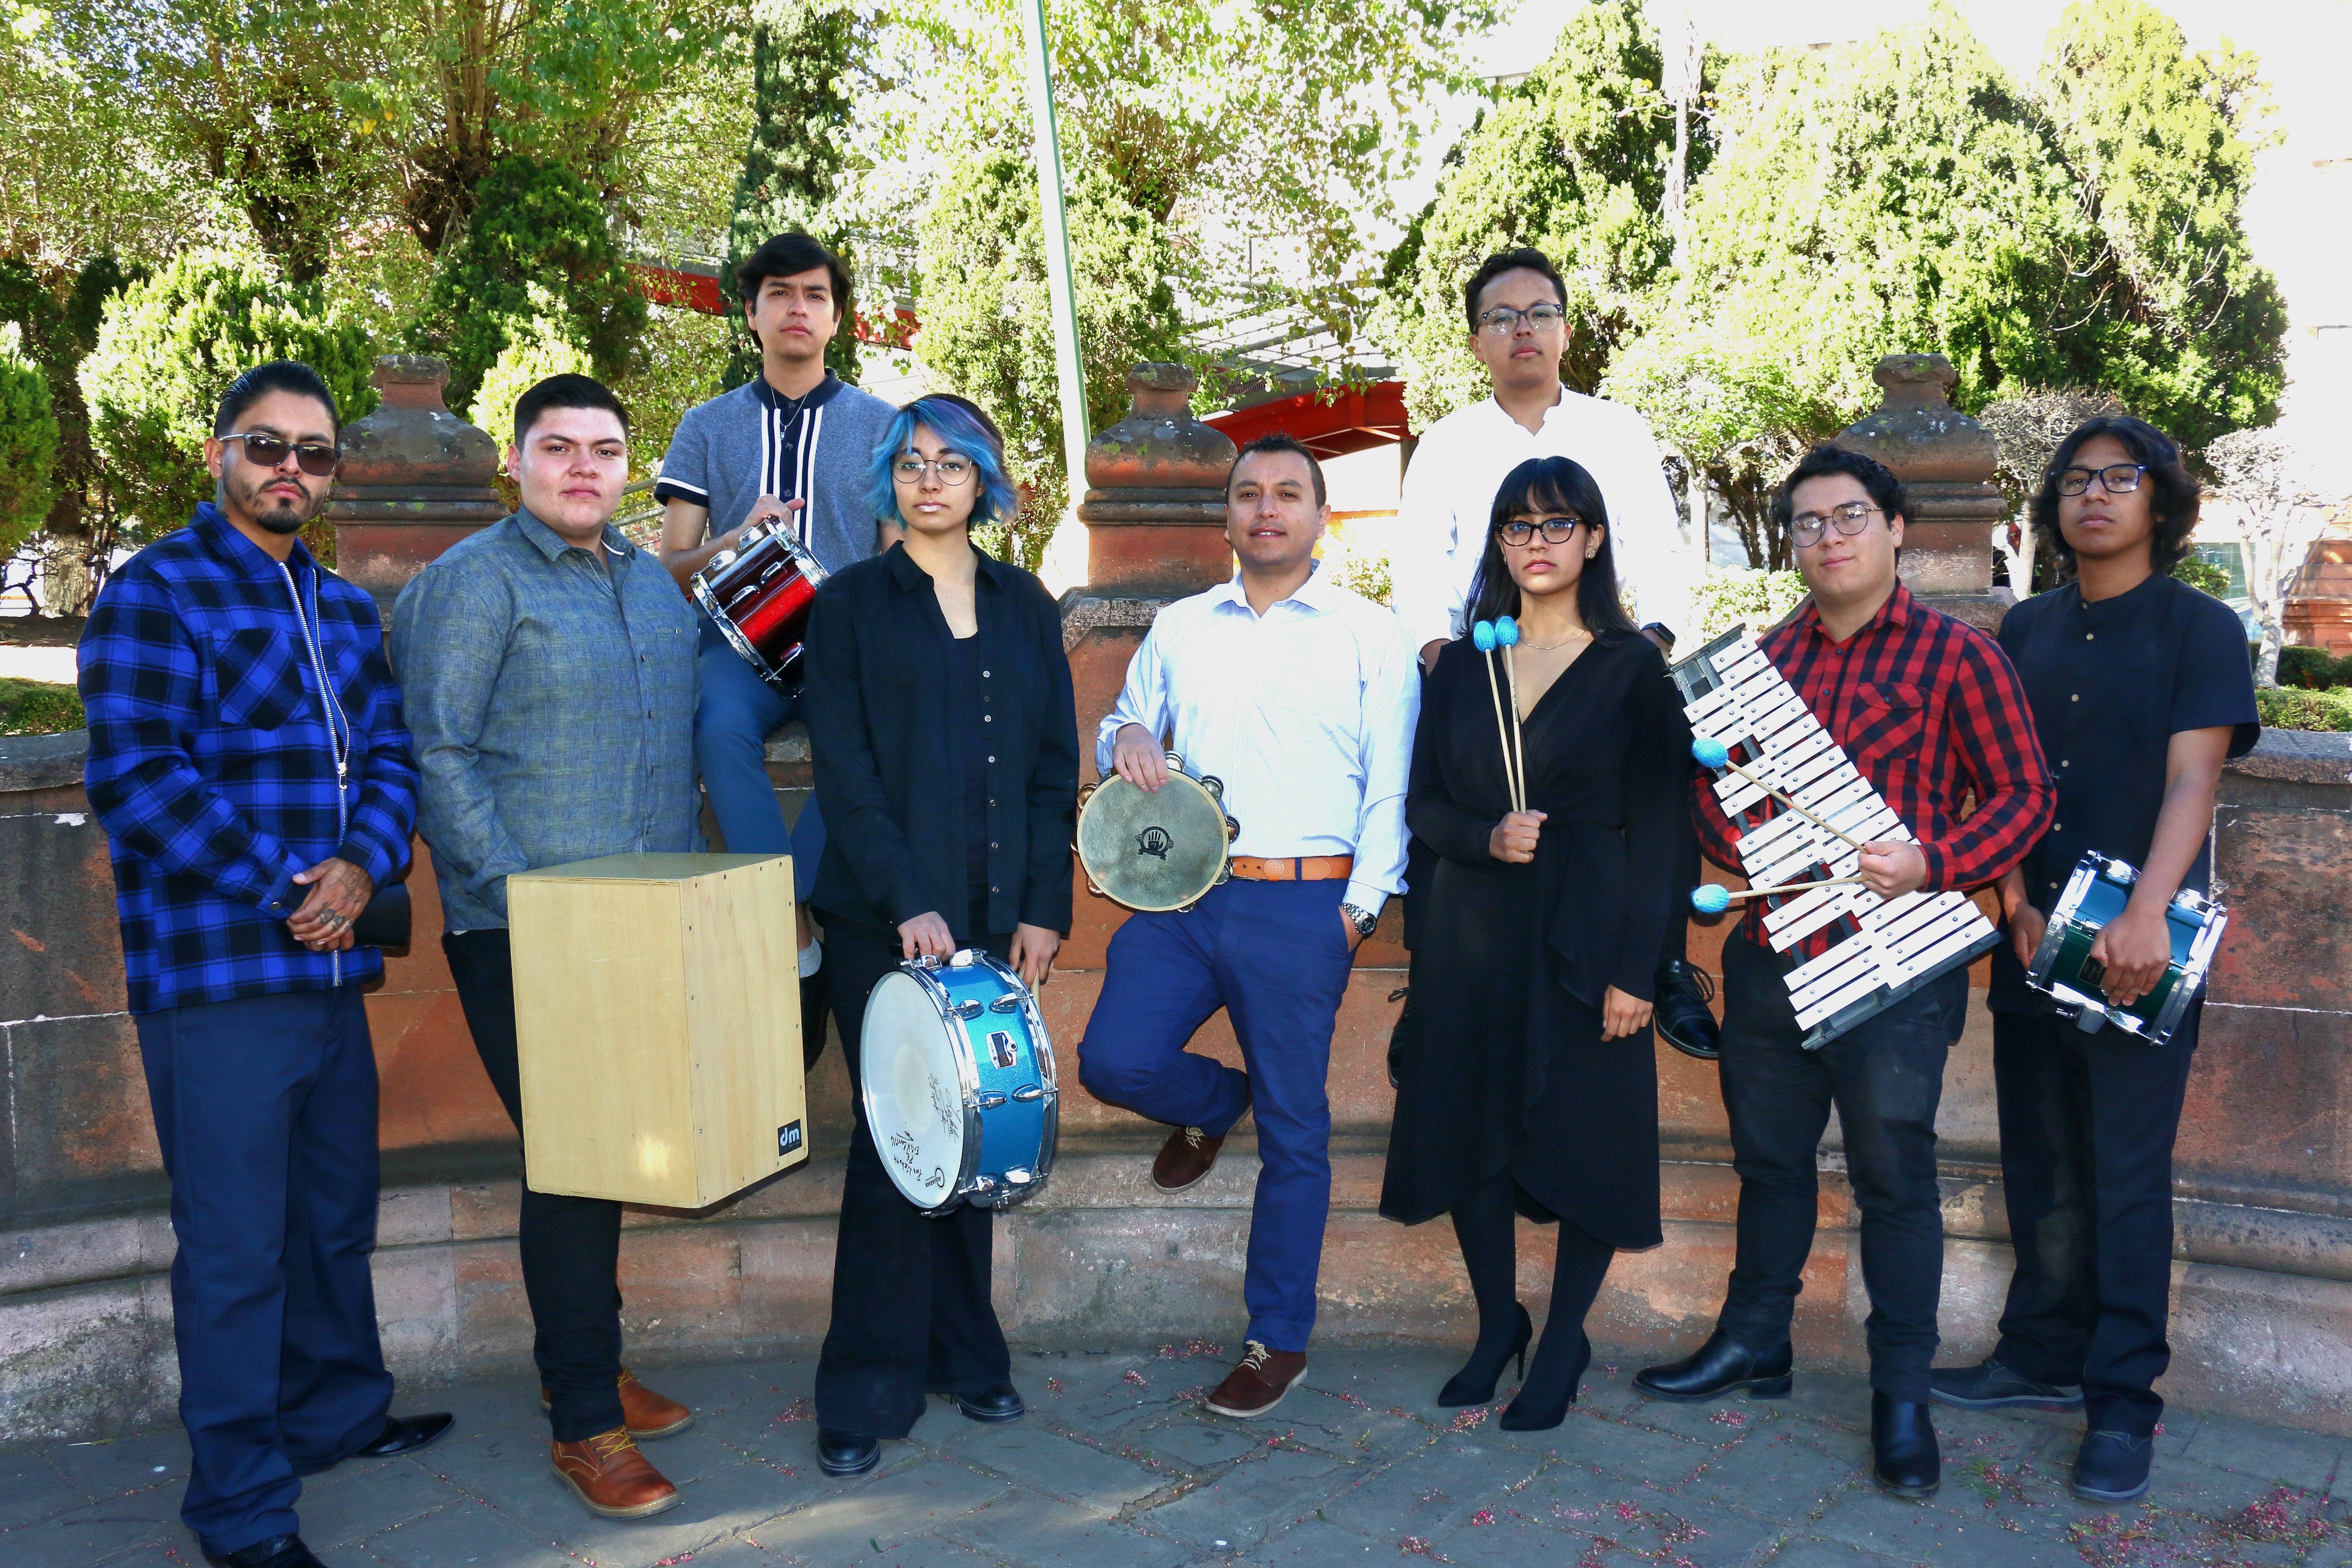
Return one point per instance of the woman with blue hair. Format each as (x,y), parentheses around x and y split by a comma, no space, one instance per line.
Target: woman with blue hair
(946,741)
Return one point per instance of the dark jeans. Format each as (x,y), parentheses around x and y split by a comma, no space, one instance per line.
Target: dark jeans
(265,1110)
(1886,1077)
(912,1310)
(2086,1129)
(570,1247)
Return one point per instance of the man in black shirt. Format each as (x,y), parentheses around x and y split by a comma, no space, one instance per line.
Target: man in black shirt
(2141,689)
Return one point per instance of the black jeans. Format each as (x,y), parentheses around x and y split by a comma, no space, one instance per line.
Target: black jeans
(2087,1124)
(1886,1077)
(910,1295)
(570,1247)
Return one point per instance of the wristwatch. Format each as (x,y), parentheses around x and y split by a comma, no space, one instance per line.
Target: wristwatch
(1364,921)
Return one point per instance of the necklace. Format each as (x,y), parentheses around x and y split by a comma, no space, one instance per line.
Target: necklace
(1548,646)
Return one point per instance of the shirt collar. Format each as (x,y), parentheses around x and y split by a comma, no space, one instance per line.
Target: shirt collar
(1315,593)
(552,545)
(908,575)
(224,540)
(1567,399)
(817,396)
(1896,612)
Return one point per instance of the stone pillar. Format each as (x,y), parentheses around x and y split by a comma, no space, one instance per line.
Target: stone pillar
(415,480)
(1946,461)
(1155,506)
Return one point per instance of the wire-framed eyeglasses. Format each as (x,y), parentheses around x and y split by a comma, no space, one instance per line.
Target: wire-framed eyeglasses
(1504,320)
(951,470)
(1808,528)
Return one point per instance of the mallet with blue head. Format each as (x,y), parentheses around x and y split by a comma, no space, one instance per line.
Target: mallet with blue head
(1506,638)
(1710,752)
(1713,898)
(1482,637)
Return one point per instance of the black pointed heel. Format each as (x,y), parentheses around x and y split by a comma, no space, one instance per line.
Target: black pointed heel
(1462,1387)
(1520,1415)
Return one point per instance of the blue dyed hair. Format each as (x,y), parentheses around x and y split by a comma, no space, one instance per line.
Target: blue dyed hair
(964,428)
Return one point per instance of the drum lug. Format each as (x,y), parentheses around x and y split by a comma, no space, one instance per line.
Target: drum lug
(1005,1005)
(967,1010)
(988,1100)
(1029,1094)
(964,958)
(1017,1177)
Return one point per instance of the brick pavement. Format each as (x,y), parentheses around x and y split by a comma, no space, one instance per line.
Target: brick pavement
(1117,1465)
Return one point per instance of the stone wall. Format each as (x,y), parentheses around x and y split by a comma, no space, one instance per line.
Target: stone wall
(2262,1279)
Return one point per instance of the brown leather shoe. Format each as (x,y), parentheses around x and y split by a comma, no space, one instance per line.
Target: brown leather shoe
(647,1415)
(612,1478)
(1187,1156)
(1258,1384)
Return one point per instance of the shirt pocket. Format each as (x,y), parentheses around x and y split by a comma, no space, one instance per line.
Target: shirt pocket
(1890,719)
(260,686)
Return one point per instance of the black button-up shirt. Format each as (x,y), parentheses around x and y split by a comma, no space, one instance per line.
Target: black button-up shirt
(889,777)
(2110,682)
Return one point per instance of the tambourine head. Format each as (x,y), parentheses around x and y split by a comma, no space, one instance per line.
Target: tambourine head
(1153,850)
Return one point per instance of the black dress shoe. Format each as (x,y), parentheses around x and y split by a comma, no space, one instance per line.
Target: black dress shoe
(1902,1453)
(1681,993)
(1718,1367)
(1989,1386)
(1475,1383)
(2112,1467)
(278,1552)
(1000,1402)
(846,1453)
(403,1434)
(1540,1409)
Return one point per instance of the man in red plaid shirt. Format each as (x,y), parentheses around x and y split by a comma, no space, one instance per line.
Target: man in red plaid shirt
(1933,715)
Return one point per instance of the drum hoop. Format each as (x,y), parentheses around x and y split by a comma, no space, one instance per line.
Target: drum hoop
(967,1085)
(707,603)
(1049,1137)
(1216,804)
(2061,916)
(2191,983)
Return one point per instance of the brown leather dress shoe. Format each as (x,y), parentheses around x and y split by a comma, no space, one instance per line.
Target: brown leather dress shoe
(1258,1384)
(612,1478)
(646,1415)
(1187,1156)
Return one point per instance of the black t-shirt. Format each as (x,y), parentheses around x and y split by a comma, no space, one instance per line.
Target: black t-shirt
(2110,683)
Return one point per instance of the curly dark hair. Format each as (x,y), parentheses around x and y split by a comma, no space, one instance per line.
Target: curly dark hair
(2173,505)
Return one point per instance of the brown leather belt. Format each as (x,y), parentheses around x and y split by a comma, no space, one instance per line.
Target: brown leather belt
(1293,869)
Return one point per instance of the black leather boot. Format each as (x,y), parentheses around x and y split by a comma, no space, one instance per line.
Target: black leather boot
(1682,991)
(1905,1462)
(2112,1467)
(999,1402)
(846,1453)
(1718,1368)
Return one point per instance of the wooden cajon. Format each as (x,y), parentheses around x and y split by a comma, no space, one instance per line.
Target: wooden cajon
(657,1014)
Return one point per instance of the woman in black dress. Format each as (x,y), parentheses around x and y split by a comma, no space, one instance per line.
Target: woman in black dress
(940,717)
(1527,1080)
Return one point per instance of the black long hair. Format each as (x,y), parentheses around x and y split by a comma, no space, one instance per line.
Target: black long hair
(2172,506)
(1559,486)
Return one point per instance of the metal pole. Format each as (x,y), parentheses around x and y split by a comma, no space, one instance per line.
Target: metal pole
(1070,369)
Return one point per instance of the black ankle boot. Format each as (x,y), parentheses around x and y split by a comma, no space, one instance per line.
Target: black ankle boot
(1475,1383)
(1540,1407)
(2112,1467)
(1903,1447)
(1716,1368)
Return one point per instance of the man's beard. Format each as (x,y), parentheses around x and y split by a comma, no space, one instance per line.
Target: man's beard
(276,515)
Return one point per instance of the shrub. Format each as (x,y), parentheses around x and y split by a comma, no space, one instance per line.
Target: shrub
(538,347)
(167,348)
(38,708)
(2290,708)
(2312,668)
(29,442)
(1728,596)
(2202,576)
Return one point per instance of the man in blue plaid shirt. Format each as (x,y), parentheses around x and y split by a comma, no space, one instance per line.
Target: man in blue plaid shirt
(248,759)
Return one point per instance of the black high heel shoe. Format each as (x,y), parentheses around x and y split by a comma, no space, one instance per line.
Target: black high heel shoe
(1465,1387)
(1521,1415)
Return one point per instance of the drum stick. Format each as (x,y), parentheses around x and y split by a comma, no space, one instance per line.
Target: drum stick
(1714,753)
(1507,633)
(1482,637)
(1713,898)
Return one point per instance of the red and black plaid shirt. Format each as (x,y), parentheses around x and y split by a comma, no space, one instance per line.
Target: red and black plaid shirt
(1932,714)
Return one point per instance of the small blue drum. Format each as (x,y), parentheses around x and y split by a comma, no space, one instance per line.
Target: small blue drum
(958,1090)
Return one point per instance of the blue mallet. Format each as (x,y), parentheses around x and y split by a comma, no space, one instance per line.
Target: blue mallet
(1713,899)
(1482,638)
(1506,638)
(1710,752)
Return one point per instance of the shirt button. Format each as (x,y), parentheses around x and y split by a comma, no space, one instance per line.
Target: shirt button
(2076,698)
(985,718)
(2066,765)
(994,890)
(2057,827)
(983,675)
(992,802)
(991,844)
(991,759)
(2088,636)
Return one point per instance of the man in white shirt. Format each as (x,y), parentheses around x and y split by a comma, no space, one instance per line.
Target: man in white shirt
(1515,305)
(1301,698)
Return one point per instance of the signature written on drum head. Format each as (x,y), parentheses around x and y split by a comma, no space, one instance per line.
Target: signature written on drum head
(907,1154)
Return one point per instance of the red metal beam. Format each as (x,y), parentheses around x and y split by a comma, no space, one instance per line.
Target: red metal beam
(692,289)
(1330,423)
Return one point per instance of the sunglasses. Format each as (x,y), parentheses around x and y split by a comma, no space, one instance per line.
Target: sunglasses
(317,459)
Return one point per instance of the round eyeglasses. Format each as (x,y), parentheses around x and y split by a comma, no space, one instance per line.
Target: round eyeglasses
(1808,528)
(951,470)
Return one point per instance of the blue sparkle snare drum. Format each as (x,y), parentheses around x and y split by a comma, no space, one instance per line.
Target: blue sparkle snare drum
(959,1083)
(2064,971)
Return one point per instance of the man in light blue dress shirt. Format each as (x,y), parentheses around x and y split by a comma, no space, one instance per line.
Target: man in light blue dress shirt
(1301,697)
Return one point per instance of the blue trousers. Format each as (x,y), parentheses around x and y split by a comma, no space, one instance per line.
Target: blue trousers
(734,718)
(266,1111)
(1274,956)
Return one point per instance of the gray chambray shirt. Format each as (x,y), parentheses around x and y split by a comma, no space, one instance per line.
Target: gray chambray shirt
(552,702)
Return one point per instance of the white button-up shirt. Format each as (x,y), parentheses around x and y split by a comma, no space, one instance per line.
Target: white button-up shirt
(1449,499)
(1305,714)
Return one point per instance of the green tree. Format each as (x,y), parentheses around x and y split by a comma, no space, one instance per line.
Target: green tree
(988,333)
(29,442)
(58,315)
(802,54)
(533,225)
(1574,161)
(167,348)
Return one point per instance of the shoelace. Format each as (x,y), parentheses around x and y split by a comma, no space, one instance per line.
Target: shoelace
(1253,1359)
(1192,1136)
(612,1445)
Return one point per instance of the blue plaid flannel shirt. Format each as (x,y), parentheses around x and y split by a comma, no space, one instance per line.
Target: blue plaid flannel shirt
(212,767)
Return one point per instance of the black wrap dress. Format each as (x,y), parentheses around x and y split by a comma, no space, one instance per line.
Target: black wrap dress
(1500,1065)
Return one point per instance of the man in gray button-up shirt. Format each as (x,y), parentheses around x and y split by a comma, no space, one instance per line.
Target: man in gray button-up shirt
(547,671)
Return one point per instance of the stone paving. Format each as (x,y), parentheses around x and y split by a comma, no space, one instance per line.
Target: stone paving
(1117,1464)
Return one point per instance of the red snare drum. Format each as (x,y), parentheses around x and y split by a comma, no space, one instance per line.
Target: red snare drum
(759,595)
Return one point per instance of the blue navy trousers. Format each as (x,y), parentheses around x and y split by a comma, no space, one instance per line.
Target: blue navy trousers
(734,714)
(1274,955)
(266,1109)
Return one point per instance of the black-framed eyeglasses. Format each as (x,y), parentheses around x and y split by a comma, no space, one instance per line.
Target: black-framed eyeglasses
(1851,518)
(316,457)
(951,470)
(1504,320)
(2117,478)
(1555,529)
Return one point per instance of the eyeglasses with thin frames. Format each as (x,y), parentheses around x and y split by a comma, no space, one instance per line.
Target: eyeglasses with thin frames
(1504,320)
(1518,531)
(2116,479)
(951,470)
(1851,518)
(316,458)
